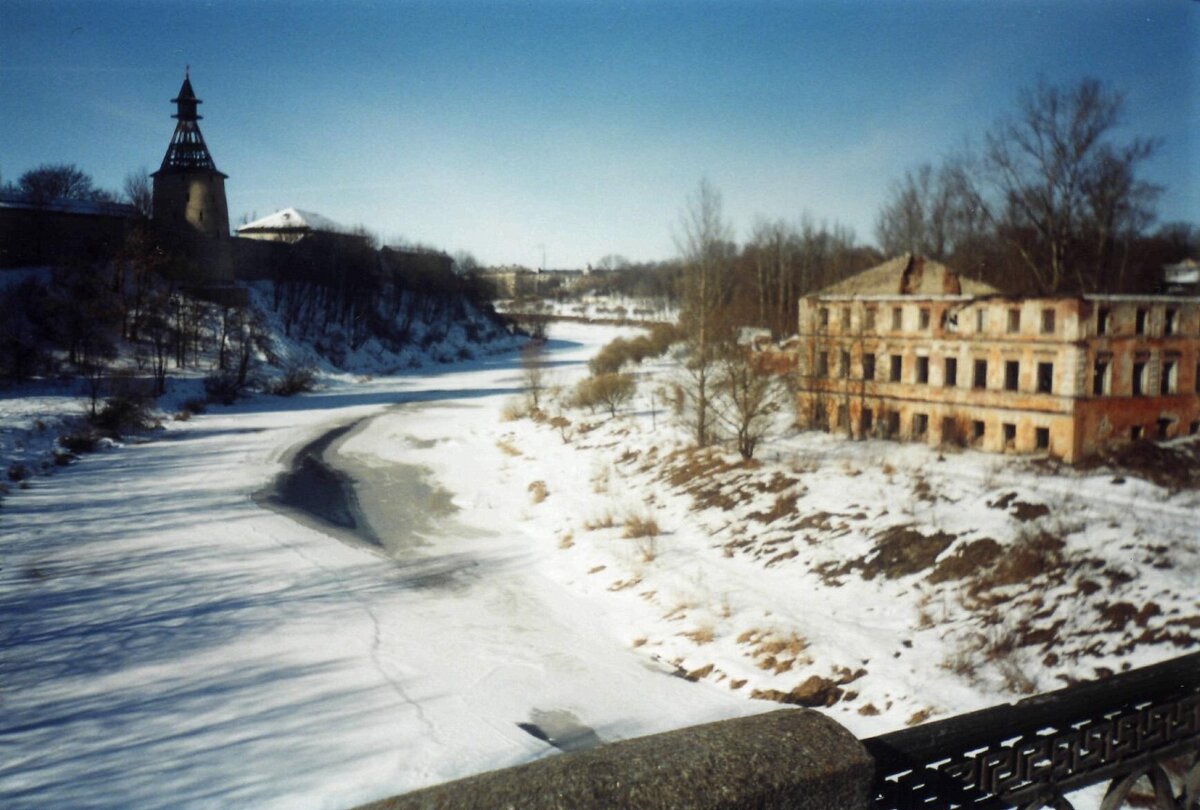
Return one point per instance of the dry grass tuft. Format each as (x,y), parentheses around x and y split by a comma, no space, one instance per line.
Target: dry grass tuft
(640,526)
(701,635)
(513,410)
(605,521)
(566,541)
(508,448)
(538,491)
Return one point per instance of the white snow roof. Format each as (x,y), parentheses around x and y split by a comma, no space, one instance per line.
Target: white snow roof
(293,219)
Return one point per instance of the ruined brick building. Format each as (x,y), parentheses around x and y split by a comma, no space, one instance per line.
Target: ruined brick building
(909,350)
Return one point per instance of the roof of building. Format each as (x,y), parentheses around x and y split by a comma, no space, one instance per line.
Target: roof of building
(293,219)
(63,205)
(909,275)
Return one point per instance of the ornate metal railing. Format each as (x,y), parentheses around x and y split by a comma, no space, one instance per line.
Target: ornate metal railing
(1139,726)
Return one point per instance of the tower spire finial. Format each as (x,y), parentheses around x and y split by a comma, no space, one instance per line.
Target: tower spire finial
(187,69)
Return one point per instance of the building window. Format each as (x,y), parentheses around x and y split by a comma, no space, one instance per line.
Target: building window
(868,366)
(843,417)
(923,370)
(1041,438)
(980,319)
(1012,375)
(951,372)
(1135,432)
(1047,322)
(823,317)
(820,416)
(1010,434)
(870,319)
(1014,321)
(920,425)
(924,317)
(846,318)
(950,432)
(1104,321)
(1164,428)
(1140,324)
(897,367)
(1170,322)
(844,364)
(867,420)
(980,380)
(896,318)
(1194,428)
(1102,376)
(1167,383)
(1045,378)
(893,424)
(822,364)
(1139,378)
(977,430)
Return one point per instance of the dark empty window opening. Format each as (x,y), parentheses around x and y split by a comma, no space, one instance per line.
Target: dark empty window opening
(843,416)
(897,367)
(868,420)
(1135,432)
(1012,375)
(1010,434)
(1194,428)
(844,364)
(980,380)
(1167,381)
(820,416)
(1104,321)
(1041,438)
(1170,322)
(951,372)
(1045,378)
(1101,379)
(920,425)
(980,320)
(897,315)
(1139,378)
(1164,428)
(923,370)
(1014,321)
(822,364)
(868,366)
(823,316)
(893,424)
(1047,322)
(977,430)
(924,317)
(1140,323)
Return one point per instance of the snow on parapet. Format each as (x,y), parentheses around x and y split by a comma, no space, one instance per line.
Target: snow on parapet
(293,219)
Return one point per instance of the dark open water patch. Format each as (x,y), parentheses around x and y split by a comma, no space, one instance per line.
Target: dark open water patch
(314,488)
(561,729)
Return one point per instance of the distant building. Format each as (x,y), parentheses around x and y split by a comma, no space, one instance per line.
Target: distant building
(909,350)
(1182,278)
(291,225)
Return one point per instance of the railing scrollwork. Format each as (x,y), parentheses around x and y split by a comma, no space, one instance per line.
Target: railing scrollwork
(1030,755)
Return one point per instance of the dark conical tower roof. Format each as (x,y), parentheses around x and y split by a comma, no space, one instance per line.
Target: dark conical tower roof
(187,151)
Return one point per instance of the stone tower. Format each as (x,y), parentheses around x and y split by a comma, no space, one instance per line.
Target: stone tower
(189,192)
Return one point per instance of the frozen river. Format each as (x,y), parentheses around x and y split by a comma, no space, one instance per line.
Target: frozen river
(168,640)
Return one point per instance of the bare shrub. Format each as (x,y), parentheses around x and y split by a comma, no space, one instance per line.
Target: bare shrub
(607,390)
(295,380)
(513,410)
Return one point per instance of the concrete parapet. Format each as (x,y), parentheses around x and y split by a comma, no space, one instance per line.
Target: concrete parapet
(794,759)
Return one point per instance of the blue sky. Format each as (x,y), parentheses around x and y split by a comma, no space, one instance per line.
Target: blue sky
(504,128)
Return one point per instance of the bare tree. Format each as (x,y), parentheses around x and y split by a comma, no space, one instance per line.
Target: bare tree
(704,242)
(138,191)
(748,394)
(533,373)
(52,181)
(1066,194)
